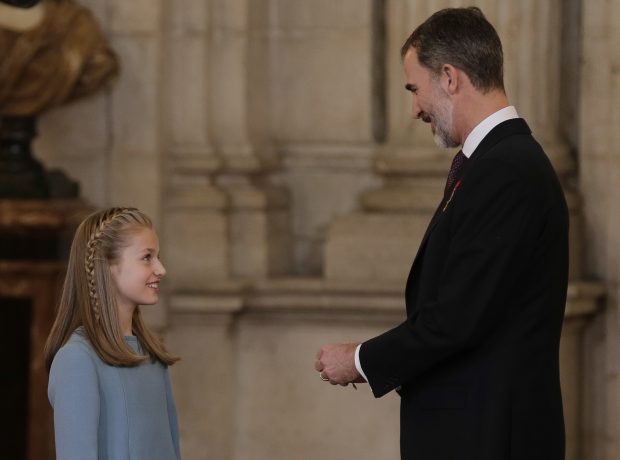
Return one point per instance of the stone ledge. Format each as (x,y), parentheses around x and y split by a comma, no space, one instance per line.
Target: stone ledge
(290,295)
(583,298)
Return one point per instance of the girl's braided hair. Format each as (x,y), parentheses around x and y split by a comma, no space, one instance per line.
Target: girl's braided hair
(91,252)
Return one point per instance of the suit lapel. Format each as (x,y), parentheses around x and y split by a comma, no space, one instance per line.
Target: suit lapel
(511,127)
(418,257)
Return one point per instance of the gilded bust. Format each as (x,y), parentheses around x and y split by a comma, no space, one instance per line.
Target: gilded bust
(53,53)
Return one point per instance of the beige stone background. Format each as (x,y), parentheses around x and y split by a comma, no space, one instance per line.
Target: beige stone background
(271,142)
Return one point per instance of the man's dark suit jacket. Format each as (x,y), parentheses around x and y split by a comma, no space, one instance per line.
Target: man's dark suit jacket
(477,357)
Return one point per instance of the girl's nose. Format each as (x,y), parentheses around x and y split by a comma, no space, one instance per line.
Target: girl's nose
(160,270)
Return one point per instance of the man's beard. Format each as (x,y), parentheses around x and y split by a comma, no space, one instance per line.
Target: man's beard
(442,119)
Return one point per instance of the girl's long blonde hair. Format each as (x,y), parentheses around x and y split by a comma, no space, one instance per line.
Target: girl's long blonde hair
(88,298)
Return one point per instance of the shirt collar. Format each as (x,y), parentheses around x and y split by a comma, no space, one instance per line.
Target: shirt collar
(485,126)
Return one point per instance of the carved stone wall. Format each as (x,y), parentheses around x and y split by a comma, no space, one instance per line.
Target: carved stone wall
(267,146)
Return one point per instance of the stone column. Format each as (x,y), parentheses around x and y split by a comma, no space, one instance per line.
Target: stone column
(134,107)
(239,105)
(581,306)
(321,98)
(196,226)
(599,163)
(204,381)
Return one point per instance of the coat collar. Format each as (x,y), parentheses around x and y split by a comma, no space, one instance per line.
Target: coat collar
(515,126)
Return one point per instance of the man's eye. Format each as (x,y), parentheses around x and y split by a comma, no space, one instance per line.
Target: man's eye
(147,257)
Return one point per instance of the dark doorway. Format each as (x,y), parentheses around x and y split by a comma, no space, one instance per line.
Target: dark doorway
(15,317)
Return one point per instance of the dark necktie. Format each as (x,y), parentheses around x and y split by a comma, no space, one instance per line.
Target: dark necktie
(455,169)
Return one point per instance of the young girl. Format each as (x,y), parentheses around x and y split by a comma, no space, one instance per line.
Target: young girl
(109,383)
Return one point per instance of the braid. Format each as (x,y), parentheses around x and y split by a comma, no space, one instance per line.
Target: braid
(90,276)
(91,249)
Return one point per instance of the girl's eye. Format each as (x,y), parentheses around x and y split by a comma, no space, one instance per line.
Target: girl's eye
(147,257)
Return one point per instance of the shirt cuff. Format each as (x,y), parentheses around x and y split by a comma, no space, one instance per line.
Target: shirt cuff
(358,365)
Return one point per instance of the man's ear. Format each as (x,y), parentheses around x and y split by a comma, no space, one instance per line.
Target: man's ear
(449,78)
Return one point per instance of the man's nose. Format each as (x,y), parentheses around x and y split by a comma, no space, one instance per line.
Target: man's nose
(416,111)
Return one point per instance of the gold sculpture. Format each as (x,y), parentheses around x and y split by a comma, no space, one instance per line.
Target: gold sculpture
(62,57)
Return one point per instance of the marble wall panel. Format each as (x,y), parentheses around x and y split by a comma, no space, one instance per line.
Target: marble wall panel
(230,15)
(135,181)
(595,186)
(262,240)
(191,16)
(374,247)
(228,88)
(75,138)
(324,183)
(188,101)
(135,17)
(402,18)
(570,376)
(291,413)
(156,316)
(80,128)
(596,104)
(593,412)
(322,92)
(613,242)
(321,75)
(206,345)
(249,255)
(612,381)
(91,174)
(100,9)
(299,14)
(195,247)
(135,97)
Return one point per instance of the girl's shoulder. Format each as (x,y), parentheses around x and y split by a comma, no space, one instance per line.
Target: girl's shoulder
(74,369)
(76,351)
(78,339)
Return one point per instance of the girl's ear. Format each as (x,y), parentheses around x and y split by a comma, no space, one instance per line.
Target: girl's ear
(114,271)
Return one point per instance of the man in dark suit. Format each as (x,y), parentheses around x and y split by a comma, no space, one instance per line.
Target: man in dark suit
(476,362)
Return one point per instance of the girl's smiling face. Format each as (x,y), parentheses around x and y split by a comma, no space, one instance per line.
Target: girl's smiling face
(137,272)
